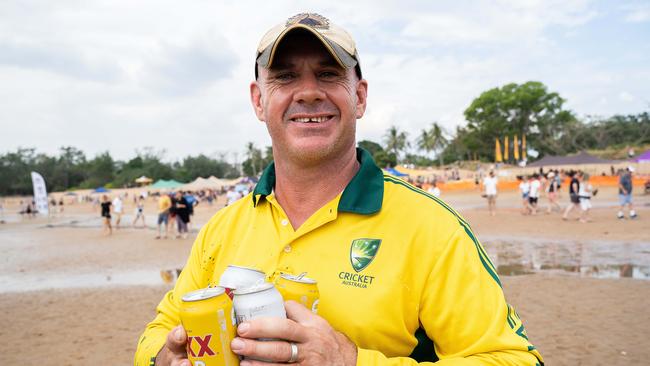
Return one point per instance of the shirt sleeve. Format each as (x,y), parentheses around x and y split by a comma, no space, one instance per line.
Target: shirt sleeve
(191,278)
(464,311)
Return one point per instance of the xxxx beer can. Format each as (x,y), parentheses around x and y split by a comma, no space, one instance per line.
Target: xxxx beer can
(235,277)
(299,289)
(207,316)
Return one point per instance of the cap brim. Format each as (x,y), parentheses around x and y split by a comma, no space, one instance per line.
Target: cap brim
(267,56)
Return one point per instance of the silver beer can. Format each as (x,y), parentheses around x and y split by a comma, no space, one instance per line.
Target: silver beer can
(235,277)
(257,301)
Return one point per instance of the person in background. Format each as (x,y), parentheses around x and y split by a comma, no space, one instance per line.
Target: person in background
(106,215)
(434,190)
(551,192)
(192,202)
(533,194)
(232,196)
(625,193)
(164,205)
(524,189)
(182,210)
(585,194)
(139,212)
(490,191)
(574,198)
(117,210)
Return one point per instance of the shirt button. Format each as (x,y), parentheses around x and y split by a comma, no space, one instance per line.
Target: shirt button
(284,222)
(287,248)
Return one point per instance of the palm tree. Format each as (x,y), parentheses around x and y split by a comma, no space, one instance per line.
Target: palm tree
(433,140)
(252,154)
(396,141)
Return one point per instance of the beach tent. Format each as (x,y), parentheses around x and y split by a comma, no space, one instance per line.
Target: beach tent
(144,180)
(166,184)
(101,190)
(643,158)
(203,183)
(577,159)
(395,172)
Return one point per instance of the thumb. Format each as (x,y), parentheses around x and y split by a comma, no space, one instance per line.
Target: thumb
(177,339)
(298,312)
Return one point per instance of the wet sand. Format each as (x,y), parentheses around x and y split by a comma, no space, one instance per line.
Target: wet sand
(94,314)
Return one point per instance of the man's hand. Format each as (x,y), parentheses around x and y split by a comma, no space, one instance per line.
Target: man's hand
(317,342)
(173,352)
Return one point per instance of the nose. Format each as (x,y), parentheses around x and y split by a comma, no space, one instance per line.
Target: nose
(308,90)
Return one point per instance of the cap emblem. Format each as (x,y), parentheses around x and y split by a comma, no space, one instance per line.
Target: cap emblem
(310,19)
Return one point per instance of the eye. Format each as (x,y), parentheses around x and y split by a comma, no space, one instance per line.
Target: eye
(284,76)
(329,74)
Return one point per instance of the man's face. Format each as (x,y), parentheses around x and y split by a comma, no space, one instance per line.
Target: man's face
(309,103)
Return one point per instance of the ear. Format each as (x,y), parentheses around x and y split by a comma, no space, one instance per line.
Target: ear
(256,100)
(362,97)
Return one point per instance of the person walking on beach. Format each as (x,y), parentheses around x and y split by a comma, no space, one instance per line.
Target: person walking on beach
(164,205)
(182,210)
(552,192)
(106,214)
(533,195)
(117,210)
(402,278)
(139,212)
(574,189)
(585,194)
(490,191)
(625,193)
(524,189)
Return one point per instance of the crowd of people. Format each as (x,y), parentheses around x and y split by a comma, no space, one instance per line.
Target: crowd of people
(549,185)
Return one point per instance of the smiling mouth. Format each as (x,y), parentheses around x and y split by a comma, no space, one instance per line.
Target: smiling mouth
(312,119)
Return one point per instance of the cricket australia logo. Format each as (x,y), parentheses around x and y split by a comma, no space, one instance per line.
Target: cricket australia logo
(362,252)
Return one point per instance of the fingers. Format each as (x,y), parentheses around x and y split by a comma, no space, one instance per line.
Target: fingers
(299,313)
(276,328)
(269,351)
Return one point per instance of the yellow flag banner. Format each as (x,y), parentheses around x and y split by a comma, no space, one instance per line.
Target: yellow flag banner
(497,151)
(523,147)
(515,146)
(506,150)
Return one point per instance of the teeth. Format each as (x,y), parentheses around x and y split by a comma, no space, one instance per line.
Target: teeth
(311,119)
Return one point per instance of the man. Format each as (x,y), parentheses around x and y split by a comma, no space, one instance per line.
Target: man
(490,190)
(397,269)
(232,196)
(533,194)
(117,210)
(625,193)
(164,205)
(574,189)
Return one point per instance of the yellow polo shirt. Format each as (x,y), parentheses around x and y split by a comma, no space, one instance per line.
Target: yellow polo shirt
(399,272)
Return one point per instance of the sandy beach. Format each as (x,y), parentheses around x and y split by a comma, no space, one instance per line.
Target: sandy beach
(71,295)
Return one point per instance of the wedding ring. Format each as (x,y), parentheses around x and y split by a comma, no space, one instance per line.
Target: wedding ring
(294,353)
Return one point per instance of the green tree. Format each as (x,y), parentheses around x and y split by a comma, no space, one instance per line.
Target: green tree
(528,109)
(433,140)
(396,141)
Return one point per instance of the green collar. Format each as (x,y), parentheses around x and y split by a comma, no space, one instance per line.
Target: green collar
(363,195)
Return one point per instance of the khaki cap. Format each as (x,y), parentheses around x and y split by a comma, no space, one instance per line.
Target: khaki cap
(335,39)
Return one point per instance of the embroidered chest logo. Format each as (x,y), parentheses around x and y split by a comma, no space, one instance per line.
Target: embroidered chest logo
(362,252)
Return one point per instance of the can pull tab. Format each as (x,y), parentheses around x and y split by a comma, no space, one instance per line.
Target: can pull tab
(300,276)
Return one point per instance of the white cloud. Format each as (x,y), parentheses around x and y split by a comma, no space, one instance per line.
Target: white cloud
(637,13)
(117,75)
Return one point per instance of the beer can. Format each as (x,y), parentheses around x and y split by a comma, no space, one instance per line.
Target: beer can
(299,289)
(259,300)
(208,318)
(235,277)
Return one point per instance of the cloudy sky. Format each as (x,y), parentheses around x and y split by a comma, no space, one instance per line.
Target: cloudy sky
(110,75)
